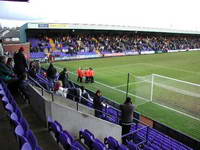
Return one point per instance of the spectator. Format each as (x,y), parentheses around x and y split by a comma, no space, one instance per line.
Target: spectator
(127,110)
(58,89)
(5,73)
(51,74)
(10,64)
(85,94)
(23,85)
(98,104)
(37,66)
(20,62)
(63,76)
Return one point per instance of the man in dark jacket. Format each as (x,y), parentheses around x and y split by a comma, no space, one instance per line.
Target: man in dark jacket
(20,62)
(51,72)
(51,75)
(63,76)
(127,110)
(98,104)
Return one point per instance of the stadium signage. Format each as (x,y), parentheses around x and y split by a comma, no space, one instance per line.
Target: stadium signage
(147,52)
(115,54)
(61,25)
(43,25)
(173,51)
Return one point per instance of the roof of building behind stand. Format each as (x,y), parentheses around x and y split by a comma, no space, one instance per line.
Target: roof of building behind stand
(103,27)
(13,33)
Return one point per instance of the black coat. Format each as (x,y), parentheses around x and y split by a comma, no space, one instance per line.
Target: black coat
(64,78)
(97,103)
(20,63)
(51,72)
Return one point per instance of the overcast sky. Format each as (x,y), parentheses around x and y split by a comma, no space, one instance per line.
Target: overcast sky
(173,14)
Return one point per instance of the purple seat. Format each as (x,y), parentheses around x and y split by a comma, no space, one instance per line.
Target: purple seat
(5,101)
(87,136)
(9,108)
(155,147)
(77,145)
(68,142)
(32,139)
(114,144)
(18,113)
(131,145)
(56,128)
(122,147)
(24,124)
(64,140)
(26,146)
(14,120)
(20,134)
(98,145)
(111,142)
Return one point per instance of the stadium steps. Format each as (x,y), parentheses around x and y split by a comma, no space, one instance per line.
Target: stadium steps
(7,138)
(45,140)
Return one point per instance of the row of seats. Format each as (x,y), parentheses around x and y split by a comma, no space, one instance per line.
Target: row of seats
(20,127)
(90,142)
(157,140)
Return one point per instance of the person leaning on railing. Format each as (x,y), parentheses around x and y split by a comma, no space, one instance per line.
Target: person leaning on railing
(127,110)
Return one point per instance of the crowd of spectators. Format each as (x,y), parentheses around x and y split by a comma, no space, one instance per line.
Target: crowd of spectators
(108,42)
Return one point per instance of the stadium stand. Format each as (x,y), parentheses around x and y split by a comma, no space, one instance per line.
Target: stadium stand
(105,44)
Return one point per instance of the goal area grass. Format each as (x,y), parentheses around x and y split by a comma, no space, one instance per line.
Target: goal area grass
(111,79)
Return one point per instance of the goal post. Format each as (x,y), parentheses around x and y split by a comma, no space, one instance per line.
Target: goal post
(181,96)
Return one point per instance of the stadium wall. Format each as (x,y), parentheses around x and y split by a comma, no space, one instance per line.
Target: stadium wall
(77,57)
(12,48)
(59,108)
(74,121)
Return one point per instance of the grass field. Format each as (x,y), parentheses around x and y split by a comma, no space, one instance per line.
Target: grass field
(111,78)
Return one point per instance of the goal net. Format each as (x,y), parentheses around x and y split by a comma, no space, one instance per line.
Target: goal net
(175,94)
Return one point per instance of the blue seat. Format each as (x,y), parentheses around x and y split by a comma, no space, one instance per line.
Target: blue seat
(32,140)
(56,128)
(98,145)
(87,136)
(9,108)
(26,146)
(20,134)
(14,120)
(111,142)
(24,124)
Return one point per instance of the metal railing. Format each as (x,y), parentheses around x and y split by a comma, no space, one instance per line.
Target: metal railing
(79,101)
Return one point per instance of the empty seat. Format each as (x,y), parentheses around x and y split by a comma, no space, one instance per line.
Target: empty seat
(114,144)
(98,145)
(87,136)
(56,128)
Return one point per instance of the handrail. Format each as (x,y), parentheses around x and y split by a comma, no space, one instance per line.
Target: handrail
(77,102)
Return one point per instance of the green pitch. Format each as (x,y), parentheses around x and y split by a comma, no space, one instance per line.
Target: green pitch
(111,78)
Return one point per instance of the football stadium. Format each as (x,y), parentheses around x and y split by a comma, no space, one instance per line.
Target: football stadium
(74,86)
